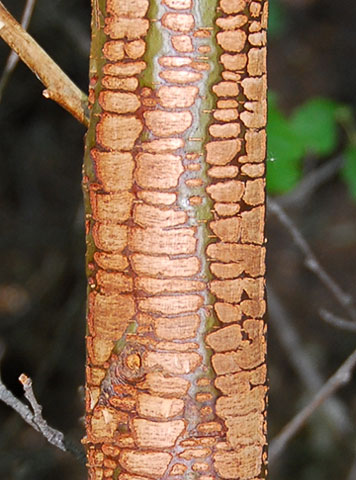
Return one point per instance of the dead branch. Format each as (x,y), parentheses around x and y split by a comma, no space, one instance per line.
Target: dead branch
(340,378)
(59,86)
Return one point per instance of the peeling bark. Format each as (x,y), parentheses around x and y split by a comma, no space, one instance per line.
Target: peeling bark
(174,190)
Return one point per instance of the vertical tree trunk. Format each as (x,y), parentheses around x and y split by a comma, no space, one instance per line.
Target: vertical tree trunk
(174,189)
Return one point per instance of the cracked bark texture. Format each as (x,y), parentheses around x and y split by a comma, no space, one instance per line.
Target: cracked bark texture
(174,190)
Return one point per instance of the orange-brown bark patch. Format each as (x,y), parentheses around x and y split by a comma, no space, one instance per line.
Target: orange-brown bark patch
(165,266)
(225,270)
(191,453)
(208,428)
(232,40)
(255,115)
(165,386)
(225,339)
(157,241)
(230,191)
(112,207)
(178,22)
(227,229)
(182,43)
(249,257)
(130,8)
(178,469)
(114,83)
(164,124)
(114,50)
(254,192)
(150,216)
(118,102)
(234,62)
(226,89)
(180,76)
(160,170)
(229,171)
(104,422)
(118,132)
(177,97)
(243,464)
(222,152)
(252,230)
(254,88)
(163,145)
(177,328)
(114,169)
(224,363)
(242,403)
(257,39)
(156,285)
(175,363)
(227,103)
(135,49)
(170,62)
(99,350)
(255,146)
(232,6)
(226,130)
(111,314)
(157,198)
(157,434)
(124,69)
(157,407)
(253,170)
(227,313)
(110,237)
(257,59)
(114,282)
(254,308)
(130,28)
(152,464)
(232,22)
(171,305)
(226,114)
(227,209)
(178,4)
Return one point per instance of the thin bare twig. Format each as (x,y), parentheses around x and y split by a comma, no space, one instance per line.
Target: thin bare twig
(303,365)
(34,417)
(311,262)
(336,321)
(311,182)
(13,58)
(55,437)
(59,87)
(340,378)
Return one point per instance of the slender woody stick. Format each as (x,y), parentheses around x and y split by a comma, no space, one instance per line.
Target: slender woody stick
(59,86)
(341,377)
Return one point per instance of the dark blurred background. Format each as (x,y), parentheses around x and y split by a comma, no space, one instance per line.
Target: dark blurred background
(312,52)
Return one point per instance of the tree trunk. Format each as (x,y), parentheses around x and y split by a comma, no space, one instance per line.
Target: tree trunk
(174,190)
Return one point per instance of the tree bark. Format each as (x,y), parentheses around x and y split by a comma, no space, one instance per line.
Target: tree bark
(174,191)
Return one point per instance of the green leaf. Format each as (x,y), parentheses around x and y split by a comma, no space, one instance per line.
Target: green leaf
(315,124)
(348,171)
(284,152)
